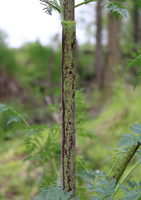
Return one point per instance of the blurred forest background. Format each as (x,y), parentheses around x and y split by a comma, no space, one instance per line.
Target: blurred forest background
(30,79)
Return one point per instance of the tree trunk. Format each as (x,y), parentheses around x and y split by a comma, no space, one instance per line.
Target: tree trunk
(68,149)
(113,54)
(98,51)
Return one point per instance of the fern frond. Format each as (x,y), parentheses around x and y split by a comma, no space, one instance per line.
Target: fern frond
(50,6)
(117,8)
(131,193)
(54,193)
(131,139)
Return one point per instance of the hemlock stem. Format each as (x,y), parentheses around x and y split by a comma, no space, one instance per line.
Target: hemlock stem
(125,178)
(124,162)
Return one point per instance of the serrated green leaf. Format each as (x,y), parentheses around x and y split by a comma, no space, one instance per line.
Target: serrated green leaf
(127,139)
(50,6)
(66,196)
(116,15)
(139,51)
(133,54)
(139,138)
(135,130)
(137,79)
(129,60)
(3,107)
(13,119)
(138,61)
(130,183)
(123,187)
(116,7)
(100,191)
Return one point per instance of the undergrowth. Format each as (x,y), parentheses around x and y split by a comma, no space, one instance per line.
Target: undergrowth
(47,152)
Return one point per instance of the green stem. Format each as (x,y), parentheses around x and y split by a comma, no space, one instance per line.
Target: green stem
(68,102)
(124,162)
(125,178)
(85,2)
(25,122)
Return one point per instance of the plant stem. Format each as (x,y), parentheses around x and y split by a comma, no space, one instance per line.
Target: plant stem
(25,122)
(125,178)
(124,162)
(68,149)
(85,2)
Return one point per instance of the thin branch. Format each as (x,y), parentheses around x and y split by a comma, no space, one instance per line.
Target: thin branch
(85,2)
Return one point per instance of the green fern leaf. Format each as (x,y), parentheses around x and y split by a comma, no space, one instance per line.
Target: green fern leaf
(136,129)
(118,9)
(54,193)
(139,51)
(105,189)
(37,198)
(3,107)
(137,79)
(134,54)
(127,139)
(131,194)
(138,61)
(116,15)
(50,6)
(13,119)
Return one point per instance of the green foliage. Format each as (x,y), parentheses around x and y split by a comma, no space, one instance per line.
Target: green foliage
(98,182)
(51,5)
(3,36)
(39,69)
(117,8)
(54,193)
(49,152)
(138,2)
(132,62)
(129,139)
(131,193)
(17,117)
(42,147)
(7,60)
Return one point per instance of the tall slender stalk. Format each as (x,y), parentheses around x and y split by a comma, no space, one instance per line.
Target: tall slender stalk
(68,149)
(124,162)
